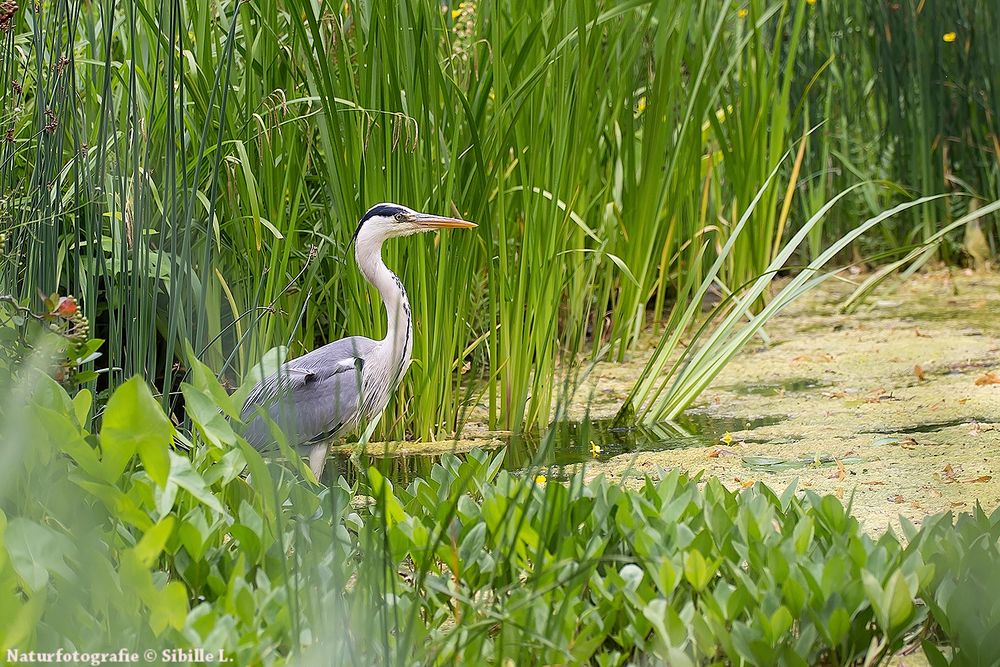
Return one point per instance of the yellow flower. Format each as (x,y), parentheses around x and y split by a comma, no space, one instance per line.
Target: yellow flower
(742,13)
(949,37)
(642,104)
(455,13)
(810,2)
(540,479)
(727,438)
(595,449)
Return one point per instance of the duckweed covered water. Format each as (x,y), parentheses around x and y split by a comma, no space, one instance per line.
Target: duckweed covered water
(562,444)
(777,388)
(899,441)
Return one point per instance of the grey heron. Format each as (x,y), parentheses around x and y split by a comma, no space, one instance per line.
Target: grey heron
(331,391)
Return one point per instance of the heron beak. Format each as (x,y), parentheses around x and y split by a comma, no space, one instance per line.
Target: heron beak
(441,222)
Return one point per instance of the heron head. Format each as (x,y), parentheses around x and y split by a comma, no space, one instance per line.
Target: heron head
(384,221)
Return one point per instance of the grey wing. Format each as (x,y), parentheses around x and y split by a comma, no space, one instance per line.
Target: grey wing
(312,398)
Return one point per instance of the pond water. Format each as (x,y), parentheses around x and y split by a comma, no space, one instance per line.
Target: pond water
(562,444)
(891,408)
(777,388)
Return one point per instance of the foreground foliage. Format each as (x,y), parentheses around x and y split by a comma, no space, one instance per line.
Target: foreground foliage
(115,539)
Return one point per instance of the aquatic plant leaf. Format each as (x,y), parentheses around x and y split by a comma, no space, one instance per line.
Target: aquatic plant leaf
(187,478)
(36,551)
(134,422)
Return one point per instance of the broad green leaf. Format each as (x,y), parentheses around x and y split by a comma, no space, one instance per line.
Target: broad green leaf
(169,607)
(186,477)
(81,406)
(696,570)
(655,612)
(897,602)
(384,498)
(665,577)
(781,622)
(803,535)
(204,379)
(18,631)
(134,422)
(65,435)
(205,414)
(118,503)
(472,543)
(36,551)
(632,575)
(151,545)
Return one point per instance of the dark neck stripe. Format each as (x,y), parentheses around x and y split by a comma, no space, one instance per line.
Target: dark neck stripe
(386,210)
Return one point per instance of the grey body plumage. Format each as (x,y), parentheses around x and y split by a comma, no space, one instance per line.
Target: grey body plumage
(327,387)
(331,391)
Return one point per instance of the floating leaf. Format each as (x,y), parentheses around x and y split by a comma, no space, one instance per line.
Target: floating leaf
(776,463)
(977,480)
(989,378)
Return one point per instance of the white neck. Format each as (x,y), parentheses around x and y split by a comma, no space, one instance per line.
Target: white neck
(398,341)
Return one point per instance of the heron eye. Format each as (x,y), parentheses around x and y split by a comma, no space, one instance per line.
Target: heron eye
(400,217)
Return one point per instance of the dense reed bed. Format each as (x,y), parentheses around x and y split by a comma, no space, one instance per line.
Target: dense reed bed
(192,171)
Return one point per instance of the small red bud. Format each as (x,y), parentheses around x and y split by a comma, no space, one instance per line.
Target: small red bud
(66,307)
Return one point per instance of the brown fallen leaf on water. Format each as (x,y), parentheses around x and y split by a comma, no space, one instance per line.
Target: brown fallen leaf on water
(744,483)
(957,504)
(975,480)
(720,451)
(880,397)
(908,443)
(874,482)
(988,378)
(949,474)
(898,499)
(839,492)
(841,471)
(934,493)
(921,334)
(919,372)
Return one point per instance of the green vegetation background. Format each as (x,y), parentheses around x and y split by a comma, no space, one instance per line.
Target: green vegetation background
(192,171)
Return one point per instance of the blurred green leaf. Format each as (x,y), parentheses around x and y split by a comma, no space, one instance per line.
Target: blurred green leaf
(37,551)
(153,540)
